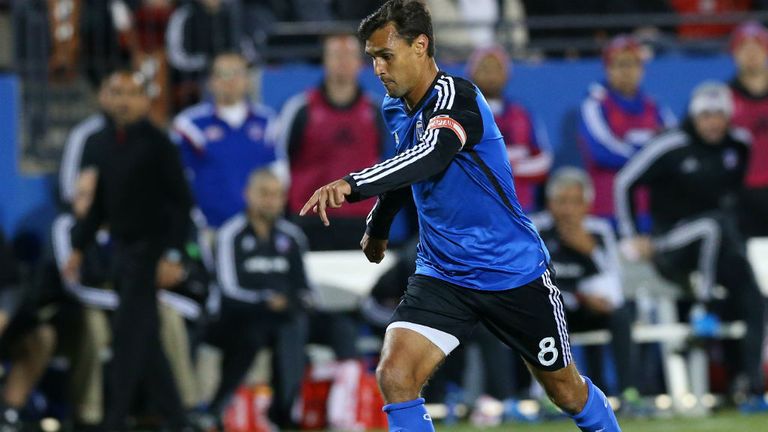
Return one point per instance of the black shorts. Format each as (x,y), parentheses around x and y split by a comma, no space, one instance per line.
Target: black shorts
(529,319)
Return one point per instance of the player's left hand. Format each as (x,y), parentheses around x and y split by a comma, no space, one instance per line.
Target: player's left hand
(331,195)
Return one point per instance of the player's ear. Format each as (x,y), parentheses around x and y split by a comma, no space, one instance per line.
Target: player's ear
(421,44)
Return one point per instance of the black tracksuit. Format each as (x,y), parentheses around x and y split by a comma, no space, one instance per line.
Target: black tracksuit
(250,270)
(694,188)
(143,196)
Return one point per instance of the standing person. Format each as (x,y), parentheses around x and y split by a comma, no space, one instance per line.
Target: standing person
(479,258)
(617,119)
(749,88)
(328,134)
(585,254)
(259,263)
(694,175)
(142,194)
(527,142)
(222,141)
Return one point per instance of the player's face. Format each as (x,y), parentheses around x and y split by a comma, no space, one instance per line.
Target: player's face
(568,205)
(395,61)
(625,71)
(341,59)
(128,100)
(265,197)
(750,55)
(490,76)
(711,126)
(229,80)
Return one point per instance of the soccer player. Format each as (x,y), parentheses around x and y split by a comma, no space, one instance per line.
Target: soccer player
(479,258)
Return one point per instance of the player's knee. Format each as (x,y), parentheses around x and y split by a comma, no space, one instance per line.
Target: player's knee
(569,395)
(397,383)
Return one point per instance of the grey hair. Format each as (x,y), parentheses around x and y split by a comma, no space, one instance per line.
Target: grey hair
(571,176)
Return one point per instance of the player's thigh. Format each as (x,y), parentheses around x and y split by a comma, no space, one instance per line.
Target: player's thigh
(408,359)
(530,319)
(432,319)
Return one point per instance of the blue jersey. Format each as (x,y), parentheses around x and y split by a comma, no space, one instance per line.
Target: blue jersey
(219,157)
(473,232)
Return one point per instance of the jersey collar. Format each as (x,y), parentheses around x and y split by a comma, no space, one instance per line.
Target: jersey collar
(424,98)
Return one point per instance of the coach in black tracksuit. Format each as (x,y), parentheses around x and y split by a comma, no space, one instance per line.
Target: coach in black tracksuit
(694,175)
(260,269)
(142,195)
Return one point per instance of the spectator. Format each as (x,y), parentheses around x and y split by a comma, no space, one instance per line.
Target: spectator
(694,175)
(330,130)
(585,255)
(224,140)
(24,339)
(141,193)
(530,154)
(749,88)
(197,32)
(264,289)
(617,119)
(72,155)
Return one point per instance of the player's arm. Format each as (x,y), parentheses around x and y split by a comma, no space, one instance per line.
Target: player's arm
(443,139)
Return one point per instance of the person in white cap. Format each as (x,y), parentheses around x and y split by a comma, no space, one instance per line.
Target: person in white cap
(694,175)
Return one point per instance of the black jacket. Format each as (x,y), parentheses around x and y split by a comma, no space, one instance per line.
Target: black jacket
(142,193)
(684,175)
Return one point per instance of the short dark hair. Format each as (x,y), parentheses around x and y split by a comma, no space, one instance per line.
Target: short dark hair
(410,18)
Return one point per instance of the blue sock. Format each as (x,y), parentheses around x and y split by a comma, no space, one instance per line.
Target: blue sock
(597,415)
(410,416)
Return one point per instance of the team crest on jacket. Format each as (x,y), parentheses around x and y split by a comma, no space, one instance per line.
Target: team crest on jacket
(255,132)
(282,243)
(419,128)
(214,133)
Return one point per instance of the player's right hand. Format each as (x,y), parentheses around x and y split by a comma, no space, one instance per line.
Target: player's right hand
(71,270)
(373,248)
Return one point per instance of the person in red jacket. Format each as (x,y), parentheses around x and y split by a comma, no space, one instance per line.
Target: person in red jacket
(749,89)
(330,130)
(528,149)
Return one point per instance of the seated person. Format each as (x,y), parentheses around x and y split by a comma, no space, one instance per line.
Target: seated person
(264,294)
(24,340)
(585,257)
(694,175)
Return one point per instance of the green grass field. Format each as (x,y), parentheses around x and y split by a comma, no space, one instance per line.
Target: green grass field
(721,422)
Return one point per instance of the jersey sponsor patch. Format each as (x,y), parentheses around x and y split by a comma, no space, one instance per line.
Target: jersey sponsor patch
(443,121)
